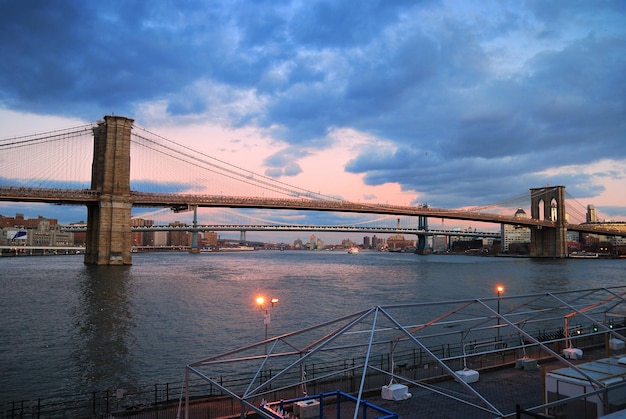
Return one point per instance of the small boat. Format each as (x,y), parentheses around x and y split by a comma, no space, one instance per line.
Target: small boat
(236,249)
(353,250)
(584,255)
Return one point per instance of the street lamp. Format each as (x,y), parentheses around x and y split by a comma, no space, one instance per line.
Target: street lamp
(260,300)
(499,290)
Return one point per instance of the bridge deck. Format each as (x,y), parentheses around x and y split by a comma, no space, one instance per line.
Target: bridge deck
(142,199)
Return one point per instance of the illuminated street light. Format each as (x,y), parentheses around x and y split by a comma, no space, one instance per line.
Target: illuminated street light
(260,300)
(499,290)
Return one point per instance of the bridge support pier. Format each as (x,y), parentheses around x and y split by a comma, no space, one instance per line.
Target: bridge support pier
(422,238)
(549,204)
(108,222)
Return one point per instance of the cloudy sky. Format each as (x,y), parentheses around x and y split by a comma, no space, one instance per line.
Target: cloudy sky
(454,103)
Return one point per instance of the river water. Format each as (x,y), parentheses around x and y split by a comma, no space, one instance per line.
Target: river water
(68,328)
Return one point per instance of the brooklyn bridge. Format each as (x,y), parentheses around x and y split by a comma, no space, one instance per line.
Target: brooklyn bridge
(109,198)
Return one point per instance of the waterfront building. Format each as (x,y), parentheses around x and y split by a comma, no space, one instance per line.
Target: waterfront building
(49,233)
(347,243)
(515,238)
(440,244)
(180,237)
(39,231)
(377,243)
(398,242)
(461,243)
(603,244)
(600,243)
(80,237)
(210,238)
(160,238)
(142,238)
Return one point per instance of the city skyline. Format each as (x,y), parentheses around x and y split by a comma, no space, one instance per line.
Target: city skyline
(455,104)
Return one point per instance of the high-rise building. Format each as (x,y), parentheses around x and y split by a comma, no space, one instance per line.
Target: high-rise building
(592,214)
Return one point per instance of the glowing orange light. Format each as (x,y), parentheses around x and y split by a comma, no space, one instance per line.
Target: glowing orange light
(260,300)
(500,289)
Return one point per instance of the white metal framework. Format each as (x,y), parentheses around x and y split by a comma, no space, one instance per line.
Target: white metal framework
(429,347)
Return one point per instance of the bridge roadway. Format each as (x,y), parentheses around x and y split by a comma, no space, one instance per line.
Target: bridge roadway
(155,200)
(294,227)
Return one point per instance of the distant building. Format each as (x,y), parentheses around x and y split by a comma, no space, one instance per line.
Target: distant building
(592,214)
(179,237)
(80,237)
(38,231)
(605,244)
(398,242)
(142,238)
(440,243)
(377,243)
(210,238)
(515,238)
(347,243)
(160,238)
(598,242)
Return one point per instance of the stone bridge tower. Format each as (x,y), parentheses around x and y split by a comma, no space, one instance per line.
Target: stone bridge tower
(549,204)
(108,221)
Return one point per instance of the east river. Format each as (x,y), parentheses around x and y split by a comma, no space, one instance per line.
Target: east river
(68,328)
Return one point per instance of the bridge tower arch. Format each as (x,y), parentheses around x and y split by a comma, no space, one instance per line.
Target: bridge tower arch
(108,222)
(549,204)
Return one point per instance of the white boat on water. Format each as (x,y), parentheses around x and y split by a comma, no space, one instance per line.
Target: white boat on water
(353,250)
(236,249)
(584,255)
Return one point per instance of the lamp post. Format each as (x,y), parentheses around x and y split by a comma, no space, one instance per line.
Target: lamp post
(266,315)
(499,290)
